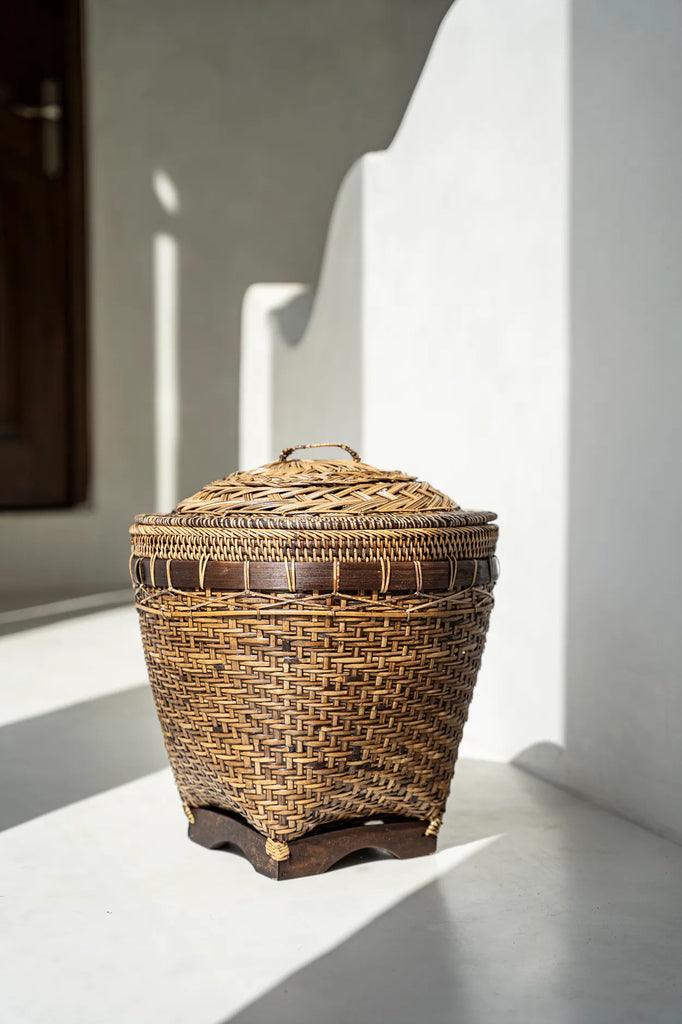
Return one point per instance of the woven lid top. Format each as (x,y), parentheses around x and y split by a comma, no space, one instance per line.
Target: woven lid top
(293,488)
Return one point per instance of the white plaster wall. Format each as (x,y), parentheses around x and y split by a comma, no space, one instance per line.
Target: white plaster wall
(438,335)
(306,382)
(514,332)
(253,111)
(624,644)
(465,356)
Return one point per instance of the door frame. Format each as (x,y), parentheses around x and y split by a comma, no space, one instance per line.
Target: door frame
(77,249)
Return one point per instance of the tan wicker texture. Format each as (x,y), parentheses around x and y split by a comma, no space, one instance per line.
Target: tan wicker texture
(401,544)
(319,487)
(296,709)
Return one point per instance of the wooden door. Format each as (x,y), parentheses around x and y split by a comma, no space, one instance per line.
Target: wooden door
(42,294)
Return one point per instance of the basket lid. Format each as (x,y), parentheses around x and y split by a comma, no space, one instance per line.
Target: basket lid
(291,489)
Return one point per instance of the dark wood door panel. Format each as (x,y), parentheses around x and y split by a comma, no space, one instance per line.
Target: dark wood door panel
(42,381)
(33,441)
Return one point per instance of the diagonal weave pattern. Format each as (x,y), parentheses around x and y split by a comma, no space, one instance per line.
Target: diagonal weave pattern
(317,487)
(304,710)
(313,630)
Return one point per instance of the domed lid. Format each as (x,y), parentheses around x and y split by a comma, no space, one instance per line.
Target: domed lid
(295,489)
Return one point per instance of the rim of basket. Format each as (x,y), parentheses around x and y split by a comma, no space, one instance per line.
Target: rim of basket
(319,521)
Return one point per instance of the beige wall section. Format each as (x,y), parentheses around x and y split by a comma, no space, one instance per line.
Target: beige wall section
(254,111)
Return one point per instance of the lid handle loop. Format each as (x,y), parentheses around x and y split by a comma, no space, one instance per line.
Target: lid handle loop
(286,452)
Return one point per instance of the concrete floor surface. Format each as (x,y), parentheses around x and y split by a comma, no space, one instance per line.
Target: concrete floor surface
(538,907)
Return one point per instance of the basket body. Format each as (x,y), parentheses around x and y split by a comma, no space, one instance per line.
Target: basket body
(311,669)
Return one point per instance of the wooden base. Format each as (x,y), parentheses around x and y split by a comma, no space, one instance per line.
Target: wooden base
(314,853)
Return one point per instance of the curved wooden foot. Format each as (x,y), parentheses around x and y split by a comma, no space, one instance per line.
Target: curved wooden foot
(315,853)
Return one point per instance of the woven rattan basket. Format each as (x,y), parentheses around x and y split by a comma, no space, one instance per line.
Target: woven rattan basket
(313,630)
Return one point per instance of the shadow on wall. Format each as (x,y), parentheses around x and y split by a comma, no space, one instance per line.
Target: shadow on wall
(264,109)
(290,319)
(247,115)
(301,369)
(513,335)
(624,644)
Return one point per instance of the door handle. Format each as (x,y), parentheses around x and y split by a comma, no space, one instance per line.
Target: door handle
(50,112)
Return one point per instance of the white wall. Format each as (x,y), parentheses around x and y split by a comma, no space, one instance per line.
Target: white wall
(517,301)
(439,331)
(624,650)
(308,384)
(253,112)
(465,348)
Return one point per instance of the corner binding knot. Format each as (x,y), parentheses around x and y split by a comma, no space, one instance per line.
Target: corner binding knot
(277,851)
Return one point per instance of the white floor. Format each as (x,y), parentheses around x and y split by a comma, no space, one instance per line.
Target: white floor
(537,907)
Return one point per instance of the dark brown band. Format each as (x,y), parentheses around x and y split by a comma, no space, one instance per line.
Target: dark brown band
(306,577)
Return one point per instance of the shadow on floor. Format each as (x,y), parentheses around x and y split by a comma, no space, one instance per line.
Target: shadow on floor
(17,618)
(52,760)
(570,916)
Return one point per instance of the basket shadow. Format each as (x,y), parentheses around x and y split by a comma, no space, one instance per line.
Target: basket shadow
(538,924)
(388,971)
